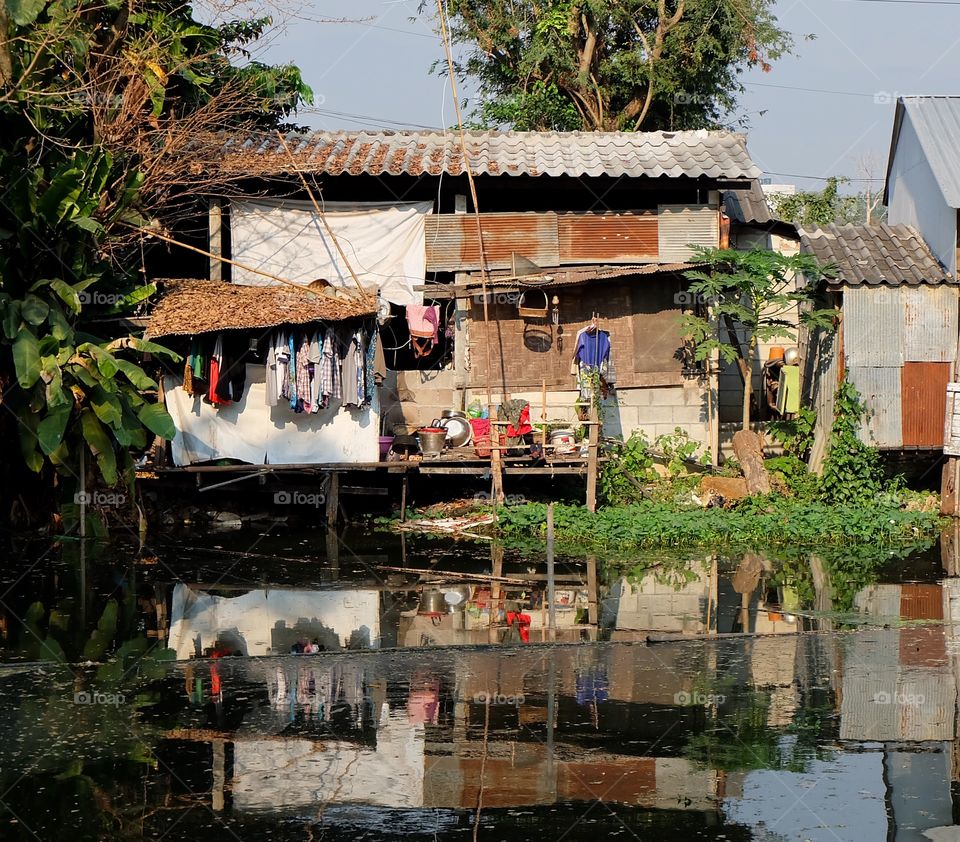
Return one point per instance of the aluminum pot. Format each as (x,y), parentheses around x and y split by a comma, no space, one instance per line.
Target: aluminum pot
(432,603)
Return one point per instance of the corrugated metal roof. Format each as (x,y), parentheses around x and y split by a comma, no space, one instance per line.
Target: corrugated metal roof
(874,254)
(695,154)
(936,120)
(572,276)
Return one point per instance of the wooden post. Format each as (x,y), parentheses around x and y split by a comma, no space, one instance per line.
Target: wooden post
(404,491)
(593,438)
(496,594)
(592,613)
(333,499)
(551,577)
(219,774)
(216,238)
(496,463)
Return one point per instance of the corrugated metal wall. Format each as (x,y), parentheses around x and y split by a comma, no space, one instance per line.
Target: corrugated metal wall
(873,326)
(880,390)
(924,400)
(681,225)
(930,323)
(451,240)
(608,237)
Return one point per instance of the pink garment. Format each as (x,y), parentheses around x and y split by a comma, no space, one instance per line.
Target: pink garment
(423,320)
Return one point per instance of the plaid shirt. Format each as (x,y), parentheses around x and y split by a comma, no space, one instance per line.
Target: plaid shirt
(330,367)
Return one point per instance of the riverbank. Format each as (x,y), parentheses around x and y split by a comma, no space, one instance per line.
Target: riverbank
(772,521)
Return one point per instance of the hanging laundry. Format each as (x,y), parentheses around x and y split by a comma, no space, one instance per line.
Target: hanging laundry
(216,361)
(352,372)
(292,373)
(330,387)
(370,366)
(303,375)
(194,374)
(314,358)
(282,350)
(423,322)
(270,386)
(233,371)
(593,364)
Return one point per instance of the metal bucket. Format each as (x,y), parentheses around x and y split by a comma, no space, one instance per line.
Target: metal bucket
(431,441)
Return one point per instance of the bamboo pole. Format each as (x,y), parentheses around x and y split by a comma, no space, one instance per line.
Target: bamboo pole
(321,214)
(444,34)
(151,233)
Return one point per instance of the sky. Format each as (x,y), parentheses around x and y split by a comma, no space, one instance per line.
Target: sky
(818,113)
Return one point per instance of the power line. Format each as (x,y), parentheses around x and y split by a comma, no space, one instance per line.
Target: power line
(819,177)
(910,2)
(812,90)
(366,118)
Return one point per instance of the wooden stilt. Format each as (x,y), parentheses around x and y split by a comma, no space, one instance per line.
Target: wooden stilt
(496,569)
(592,612)
(496,462)
(333,499)
(593,438)
(404,491)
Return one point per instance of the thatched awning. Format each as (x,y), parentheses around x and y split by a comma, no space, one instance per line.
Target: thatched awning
(191,307)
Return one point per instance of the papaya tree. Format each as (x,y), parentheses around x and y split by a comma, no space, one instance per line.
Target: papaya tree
(750,297)
(104,108)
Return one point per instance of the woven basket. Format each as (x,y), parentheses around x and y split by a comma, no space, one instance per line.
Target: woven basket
(526,310)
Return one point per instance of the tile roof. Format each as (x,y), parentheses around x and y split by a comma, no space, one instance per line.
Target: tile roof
(695,154)
(936,120)
(747,205)
(874,254)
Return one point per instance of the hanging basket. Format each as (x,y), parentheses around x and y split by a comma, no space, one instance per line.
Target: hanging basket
(533,308)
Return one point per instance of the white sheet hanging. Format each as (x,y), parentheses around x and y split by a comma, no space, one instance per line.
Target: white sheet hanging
(384,243)
(253,432)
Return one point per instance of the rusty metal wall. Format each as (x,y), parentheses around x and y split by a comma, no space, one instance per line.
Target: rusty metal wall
(930,323)
(873,326)
(608,237)
(924,397)
(452,246)
(880,390)
(681,225)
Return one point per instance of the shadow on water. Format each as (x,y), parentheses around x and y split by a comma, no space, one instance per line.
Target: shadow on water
(177,694)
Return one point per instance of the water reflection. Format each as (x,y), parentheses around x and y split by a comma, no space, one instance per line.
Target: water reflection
(736,697)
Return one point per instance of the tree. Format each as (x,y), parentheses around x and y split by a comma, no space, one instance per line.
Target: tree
(758,291)
(815,208)
(102,105)
(612,64)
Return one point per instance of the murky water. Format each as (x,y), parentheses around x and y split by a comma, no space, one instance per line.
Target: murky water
(167,694)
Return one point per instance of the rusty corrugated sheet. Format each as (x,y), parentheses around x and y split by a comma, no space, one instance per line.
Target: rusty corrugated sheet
(924,391)
(880,390)
(921,602)
(682,225)
(608,237)
(452,244)
(930,323)
(873,326)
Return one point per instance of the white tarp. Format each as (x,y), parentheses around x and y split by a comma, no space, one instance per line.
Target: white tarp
(384,244)
(251,431)
(249,623)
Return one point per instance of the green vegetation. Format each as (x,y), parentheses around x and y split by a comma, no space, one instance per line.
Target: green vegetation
(102,106)
(755,292)
(768,521)
(606,65)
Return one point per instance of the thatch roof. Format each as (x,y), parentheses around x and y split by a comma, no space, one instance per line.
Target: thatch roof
(190,307)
